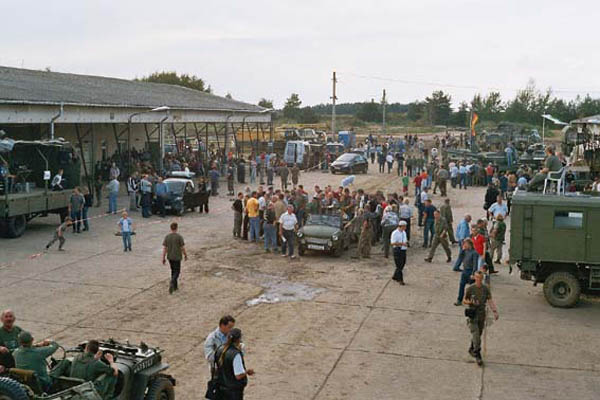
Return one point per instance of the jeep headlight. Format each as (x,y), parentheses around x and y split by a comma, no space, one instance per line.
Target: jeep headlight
(335,237)
(300,234)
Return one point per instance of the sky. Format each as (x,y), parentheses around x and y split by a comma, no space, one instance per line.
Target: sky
(257,48)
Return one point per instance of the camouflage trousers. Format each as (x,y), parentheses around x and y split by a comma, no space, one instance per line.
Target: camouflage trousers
(439,241)
(476,326)
(496,247)
(364,246)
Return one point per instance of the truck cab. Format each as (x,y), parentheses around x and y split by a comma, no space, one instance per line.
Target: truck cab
(555,240)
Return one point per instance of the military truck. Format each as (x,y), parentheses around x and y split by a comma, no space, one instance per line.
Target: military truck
(554,241)
(24,193)
(141,377)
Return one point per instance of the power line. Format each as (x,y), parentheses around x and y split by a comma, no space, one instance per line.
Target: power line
(458,86)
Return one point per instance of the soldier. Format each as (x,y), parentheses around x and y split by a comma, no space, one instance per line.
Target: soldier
(440,237)
(476,297)
(33,358)
(364,242)
(295,175)
(354,226)
(88,367)
(230,173)
(9,339)
(497,238)
(446,212)
(551,164)
(283,172)
(59,234)
(442,179)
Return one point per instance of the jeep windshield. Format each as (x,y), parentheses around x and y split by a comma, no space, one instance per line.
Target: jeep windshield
(322,219)
(175,187)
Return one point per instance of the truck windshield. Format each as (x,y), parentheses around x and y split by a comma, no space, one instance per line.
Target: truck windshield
(322,219)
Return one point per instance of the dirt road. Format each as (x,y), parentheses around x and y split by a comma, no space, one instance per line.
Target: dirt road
(361,336)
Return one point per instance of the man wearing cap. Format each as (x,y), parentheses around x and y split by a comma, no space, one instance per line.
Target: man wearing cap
(400,244)
(33,358)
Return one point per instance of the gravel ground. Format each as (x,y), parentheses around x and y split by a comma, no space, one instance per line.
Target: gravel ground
(361,336)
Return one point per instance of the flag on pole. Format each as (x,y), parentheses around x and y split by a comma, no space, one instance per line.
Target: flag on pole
(474,119)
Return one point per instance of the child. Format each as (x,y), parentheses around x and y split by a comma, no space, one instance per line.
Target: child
(59,234)
(405,181)
(126,226)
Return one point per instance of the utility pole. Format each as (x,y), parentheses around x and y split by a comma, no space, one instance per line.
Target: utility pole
(333,99)
(383,104)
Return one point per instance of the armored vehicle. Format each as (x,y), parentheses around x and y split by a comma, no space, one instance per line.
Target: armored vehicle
(24,191)
(141,377)
(554,240)
(323,232)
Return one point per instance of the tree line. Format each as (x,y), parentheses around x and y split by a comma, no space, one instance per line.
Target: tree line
(527,106)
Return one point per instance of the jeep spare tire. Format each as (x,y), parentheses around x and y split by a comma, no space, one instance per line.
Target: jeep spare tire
(562,289)
(12,390)
(160,389)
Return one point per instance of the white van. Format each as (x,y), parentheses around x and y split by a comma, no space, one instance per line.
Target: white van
(297,152)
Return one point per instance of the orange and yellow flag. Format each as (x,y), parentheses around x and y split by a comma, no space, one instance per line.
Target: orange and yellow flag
(474,119)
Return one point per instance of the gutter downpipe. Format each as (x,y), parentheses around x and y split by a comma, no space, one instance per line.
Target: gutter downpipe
(161,144)
(57,116)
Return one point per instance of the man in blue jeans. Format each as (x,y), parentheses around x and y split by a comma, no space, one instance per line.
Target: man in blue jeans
(463,232)
(126,226)
(428,211)
(287,229)
(470,260)
(270,230)
(113,192)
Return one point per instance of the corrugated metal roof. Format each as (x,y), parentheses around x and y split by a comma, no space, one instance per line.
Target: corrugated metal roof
(594,119)
(41,87)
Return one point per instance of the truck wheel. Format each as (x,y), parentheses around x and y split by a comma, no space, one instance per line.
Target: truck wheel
(12,390)
(337,252)
(15,226)
(562,289)
(160,389)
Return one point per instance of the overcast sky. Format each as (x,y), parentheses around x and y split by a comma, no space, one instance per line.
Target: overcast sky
(257,48)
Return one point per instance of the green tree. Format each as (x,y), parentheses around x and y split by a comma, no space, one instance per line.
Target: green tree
(307,115)
(415,111)
(438,108)
(461,116)
(264,103)
(291,109)
(172,78)
(370,112)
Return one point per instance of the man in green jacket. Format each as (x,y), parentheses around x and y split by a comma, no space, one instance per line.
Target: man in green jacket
(89,367)
(34,358)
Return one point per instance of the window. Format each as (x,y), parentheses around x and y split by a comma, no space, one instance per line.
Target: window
(568,220)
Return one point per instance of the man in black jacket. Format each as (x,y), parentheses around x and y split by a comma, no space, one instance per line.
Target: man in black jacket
(232,374)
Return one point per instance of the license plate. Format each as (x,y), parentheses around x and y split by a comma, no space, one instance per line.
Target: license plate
(316,247)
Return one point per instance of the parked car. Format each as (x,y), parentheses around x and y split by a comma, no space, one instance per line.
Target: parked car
(181,193)
(350,163)
(323,232)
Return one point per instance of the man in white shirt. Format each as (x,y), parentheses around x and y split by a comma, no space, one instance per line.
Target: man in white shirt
(498,208)
(453,175)
(287,230)
(462,176)
(400,244)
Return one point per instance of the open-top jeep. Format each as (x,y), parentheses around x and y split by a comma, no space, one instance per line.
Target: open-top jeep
(141,377)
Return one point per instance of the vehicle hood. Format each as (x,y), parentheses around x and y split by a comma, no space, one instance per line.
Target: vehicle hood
(319,231)
(341,163)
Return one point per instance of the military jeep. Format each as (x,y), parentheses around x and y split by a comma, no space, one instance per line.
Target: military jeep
(554,240)
(323,232)
(140,377)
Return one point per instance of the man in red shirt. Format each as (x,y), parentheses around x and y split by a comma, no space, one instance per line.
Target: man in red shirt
(417,183)
(479,244)
(489,173)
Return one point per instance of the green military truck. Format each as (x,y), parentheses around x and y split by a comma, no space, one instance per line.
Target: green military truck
(555,240)
(24,193)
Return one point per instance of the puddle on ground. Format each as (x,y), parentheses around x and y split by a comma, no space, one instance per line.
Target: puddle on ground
(278,289)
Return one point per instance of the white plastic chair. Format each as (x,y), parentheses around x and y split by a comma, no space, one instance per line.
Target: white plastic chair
(559,178)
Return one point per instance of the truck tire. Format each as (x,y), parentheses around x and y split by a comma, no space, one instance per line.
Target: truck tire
(562,289)
(160,388)
(12,390)
(15,226)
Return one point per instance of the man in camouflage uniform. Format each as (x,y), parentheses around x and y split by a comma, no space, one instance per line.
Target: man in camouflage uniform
(442,179)
(446,212)
(440,237)
(364,243)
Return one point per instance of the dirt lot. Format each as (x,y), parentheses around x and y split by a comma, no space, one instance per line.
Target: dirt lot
(361,336)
